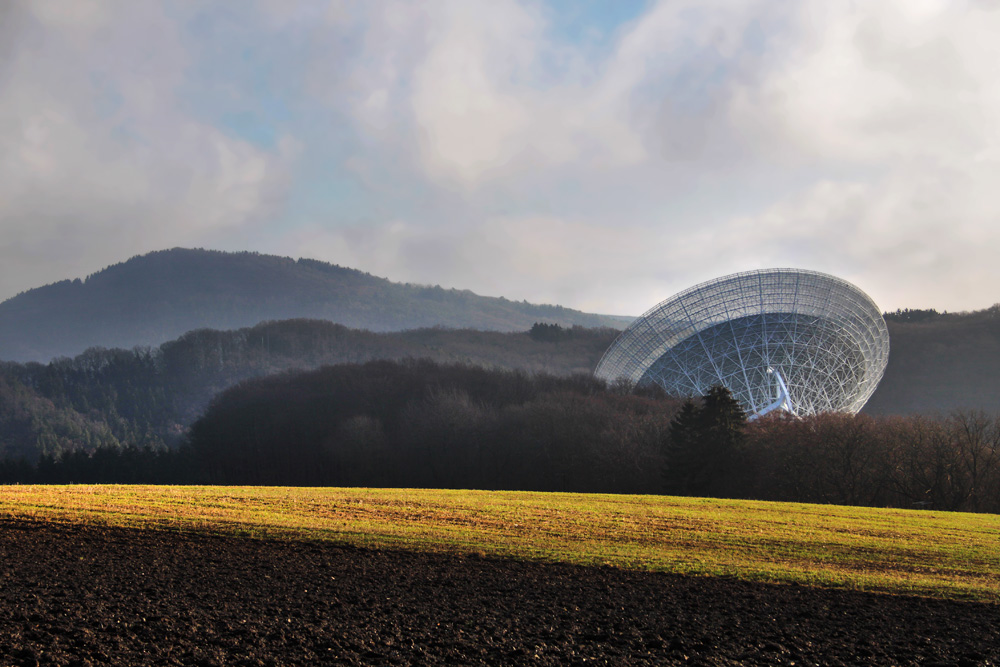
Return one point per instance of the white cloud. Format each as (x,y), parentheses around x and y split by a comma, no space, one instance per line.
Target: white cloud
(483,149)
(876,82)
(479,93)
(99,158)
(895,108)
(917,238)
(858,138)
(543,259)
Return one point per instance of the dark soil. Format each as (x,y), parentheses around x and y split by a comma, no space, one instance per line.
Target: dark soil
(89,596)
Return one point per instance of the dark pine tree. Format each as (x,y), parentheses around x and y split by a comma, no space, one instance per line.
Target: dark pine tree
(702,445)
(683,449)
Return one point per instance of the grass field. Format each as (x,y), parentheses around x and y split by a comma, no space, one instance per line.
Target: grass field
(939,554)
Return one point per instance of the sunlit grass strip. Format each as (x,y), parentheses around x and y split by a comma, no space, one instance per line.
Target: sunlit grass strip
(940,554)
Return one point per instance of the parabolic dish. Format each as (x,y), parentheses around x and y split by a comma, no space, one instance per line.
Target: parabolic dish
(800,341)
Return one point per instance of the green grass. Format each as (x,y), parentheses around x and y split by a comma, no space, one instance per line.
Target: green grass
(938,554)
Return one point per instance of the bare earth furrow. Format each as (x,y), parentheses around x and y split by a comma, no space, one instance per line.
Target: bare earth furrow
(75,595)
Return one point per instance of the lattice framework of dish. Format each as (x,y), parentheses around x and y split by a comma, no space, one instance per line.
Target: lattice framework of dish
(804,341)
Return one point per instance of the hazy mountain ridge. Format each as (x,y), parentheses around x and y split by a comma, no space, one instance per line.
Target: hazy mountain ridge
(153,298)
(938,363)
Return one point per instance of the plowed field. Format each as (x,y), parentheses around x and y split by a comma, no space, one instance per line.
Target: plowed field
(89,595)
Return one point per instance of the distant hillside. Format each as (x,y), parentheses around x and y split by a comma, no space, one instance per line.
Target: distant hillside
(149,396)
(940,362)
(157,297)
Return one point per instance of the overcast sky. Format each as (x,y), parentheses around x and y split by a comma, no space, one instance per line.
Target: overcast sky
(599,155)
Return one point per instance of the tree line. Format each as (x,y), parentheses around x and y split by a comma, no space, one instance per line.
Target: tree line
(423,424)
(148,397)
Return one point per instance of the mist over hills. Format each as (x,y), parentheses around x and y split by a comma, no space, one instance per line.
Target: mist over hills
(153,298)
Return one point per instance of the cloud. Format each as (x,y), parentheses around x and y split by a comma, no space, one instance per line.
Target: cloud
(920,237)
(478,92)
(99,159)
(478,145)
(869,83)
(503,256)
(894,108)
(705,138)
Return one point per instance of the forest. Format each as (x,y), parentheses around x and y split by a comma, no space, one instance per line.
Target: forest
(142,415)
(417,423)
(148,397)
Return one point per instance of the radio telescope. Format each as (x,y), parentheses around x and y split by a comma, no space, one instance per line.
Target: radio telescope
(779,339)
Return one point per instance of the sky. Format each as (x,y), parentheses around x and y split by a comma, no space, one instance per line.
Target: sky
(598,155)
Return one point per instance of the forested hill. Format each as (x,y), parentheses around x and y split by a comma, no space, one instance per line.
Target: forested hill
(149,396)
(157,297)
(939,362)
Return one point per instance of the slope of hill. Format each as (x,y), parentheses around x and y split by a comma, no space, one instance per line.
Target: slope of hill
(941,363)
(156,297)
(149,396)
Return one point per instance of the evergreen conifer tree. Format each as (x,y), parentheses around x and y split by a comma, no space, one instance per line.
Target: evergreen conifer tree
(702,444)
